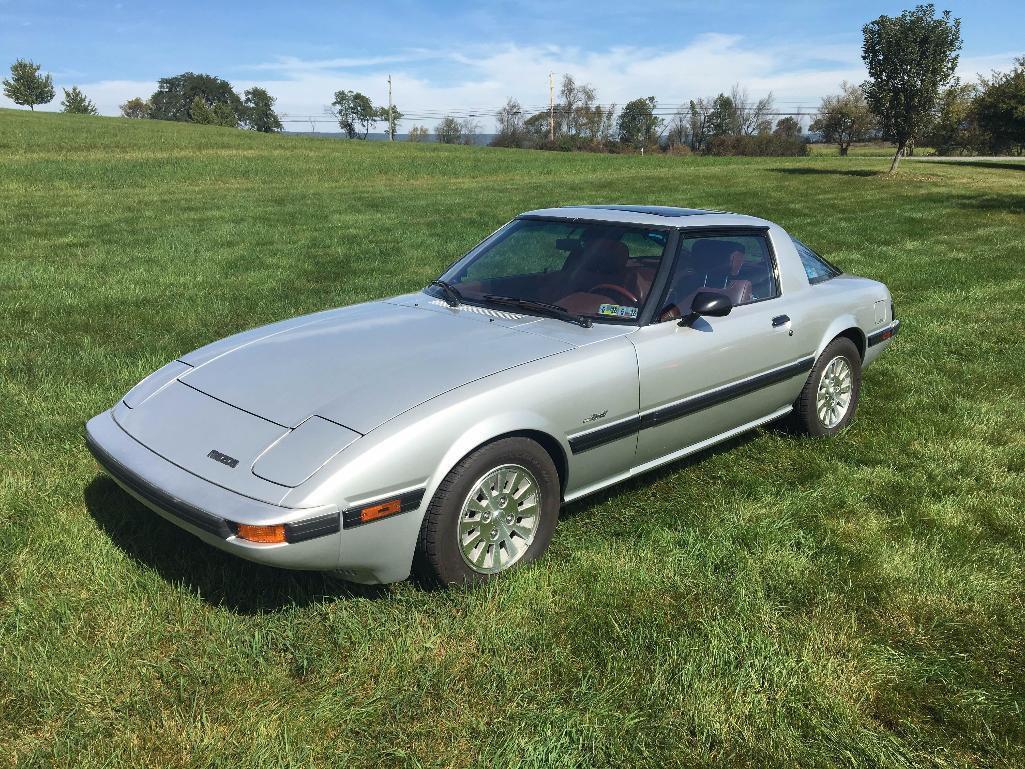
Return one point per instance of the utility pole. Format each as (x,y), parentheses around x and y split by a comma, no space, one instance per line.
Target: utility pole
(551,106)
(391,113)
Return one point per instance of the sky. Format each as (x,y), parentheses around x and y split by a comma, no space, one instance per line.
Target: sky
(467,58)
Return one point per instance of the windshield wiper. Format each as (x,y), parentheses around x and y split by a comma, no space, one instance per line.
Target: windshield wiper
(552,310)
(452,296)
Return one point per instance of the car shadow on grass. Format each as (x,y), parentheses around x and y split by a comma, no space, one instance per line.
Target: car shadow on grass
(577,507)
(216,577)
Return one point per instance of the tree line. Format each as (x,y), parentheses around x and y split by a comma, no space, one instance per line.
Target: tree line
(910,97)
(188,97)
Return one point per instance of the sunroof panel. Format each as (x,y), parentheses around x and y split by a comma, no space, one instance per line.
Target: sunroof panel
(654,210)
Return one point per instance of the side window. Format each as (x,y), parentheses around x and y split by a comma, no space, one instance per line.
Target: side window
(815,267)
(739,266)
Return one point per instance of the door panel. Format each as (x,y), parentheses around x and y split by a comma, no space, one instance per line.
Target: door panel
(697,382)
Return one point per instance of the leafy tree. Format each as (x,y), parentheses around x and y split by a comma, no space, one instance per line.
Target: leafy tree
(224,115)
(509,130)
(448,130)
(1000,109)
(136,109)
(75,102)
(844,118)
(200,112)
(418,133)
(391,128)
(26,86)
(697,134)
(955,128)
(723,117)
(638,124)
(176,96)
(536,129)
(788,127)
(258,111)
(355,112)
(909,58)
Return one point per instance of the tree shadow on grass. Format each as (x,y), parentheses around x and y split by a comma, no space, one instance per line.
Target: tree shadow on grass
(983,201)
(800,171)
(995,164)
(217,577)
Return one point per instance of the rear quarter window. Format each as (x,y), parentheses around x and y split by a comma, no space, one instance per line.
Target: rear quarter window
(815,267)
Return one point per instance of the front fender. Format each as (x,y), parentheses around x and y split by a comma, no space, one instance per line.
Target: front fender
(496,427)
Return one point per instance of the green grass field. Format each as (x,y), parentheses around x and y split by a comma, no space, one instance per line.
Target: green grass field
(776,602)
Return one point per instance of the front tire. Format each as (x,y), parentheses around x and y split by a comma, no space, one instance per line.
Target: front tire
(495,510)
(829,399)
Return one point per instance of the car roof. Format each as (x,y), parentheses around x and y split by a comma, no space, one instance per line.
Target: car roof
(658,216)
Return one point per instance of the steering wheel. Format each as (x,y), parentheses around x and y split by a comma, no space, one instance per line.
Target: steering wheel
(624,292)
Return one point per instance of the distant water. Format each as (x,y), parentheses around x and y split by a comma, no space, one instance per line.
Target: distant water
(481,139)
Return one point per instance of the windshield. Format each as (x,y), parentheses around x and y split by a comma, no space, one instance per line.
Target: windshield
(599,271)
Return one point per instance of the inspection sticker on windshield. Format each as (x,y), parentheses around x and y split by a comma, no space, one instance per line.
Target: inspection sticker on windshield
(618,310)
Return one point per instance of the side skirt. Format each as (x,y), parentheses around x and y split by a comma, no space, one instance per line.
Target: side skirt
(673,456)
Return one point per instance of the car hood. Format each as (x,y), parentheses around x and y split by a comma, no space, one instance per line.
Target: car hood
(360,366)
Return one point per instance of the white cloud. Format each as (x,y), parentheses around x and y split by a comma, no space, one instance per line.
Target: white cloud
(797,74)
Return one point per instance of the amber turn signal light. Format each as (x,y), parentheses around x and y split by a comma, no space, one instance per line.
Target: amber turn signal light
(380,510)
(267,535)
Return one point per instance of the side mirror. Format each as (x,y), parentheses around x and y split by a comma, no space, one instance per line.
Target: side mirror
(707,303)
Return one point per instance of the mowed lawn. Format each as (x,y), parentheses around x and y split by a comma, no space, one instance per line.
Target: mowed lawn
(778,601)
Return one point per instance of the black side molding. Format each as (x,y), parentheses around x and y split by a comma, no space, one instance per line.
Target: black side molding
(604,435)
(683,408)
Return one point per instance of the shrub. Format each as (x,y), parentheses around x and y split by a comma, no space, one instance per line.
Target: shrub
(759,145)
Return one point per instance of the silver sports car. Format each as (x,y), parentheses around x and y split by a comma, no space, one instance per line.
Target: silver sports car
(443,430)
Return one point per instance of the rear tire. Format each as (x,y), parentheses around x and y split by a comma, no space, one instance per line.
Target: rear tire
(829,399)
(495,510)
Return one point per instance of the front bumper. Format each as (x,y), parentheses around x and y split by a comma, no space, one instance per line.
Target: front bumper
(888,331)
(210,511)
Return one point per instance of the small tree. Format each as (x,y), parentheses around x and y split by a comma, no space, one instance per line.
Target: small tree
(638,125)
(1000,109)
(697,133)
(76,103)
(468,129)
(844,118)
(955,128)
(509,126)
(355,112)
(448,130)
(390,120)
(26,86)
(752,117)
(787,128)
(724,118)
(909,58)
(258,111)
(224,115)
(200,112)
(136,109)
(418,133)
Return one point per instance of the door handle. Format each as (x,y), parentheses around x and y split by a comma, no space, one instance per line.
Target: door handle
(779,320)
